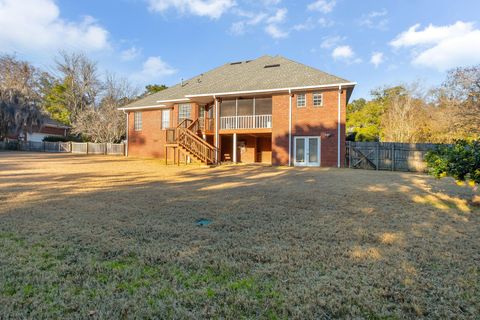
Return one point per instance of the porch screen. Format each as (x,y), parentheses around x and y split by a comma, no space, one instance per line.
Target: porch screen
(245,107)
(227,108)
(263,106)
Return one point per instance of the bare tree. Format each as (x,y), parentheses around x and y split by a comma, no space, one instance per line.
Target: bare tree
(80,80)
(22,78)
(460,94)
(405,117)
(106,123)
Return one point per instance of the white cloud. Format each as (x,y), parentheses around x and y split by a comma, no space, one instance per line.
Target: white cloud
(130,54)
(325,23)
(275,32)
(154,68)
(307,25)
(330,42)
(37,25)
(375,20)
(376,59)
(324,6)
(345,53)
(271,22)
(279,16)
(441,47)
(207,8)
(342,52)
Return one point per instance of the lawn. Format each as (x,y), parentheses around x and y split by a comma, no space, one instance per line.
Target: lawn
(110,237)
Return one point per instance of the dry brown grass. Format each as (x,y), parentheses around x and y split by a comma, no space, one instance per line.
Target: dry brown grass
(115,237)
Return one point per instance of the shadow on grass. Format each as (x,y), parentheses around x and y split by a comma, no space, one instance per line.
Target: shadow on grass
(120,240)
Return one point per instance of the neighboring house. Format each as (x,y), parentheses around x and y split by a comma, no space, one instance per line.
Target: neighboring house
(50,127)
(270,110)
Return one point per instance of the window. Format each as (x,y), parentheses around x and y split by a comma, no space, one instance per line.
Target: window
(165,118)
(301,100)
(317,100)
(184,112)
(137,121)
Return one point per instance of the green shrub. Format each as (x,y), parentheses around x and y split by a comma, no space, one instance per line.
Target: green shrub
(460,161)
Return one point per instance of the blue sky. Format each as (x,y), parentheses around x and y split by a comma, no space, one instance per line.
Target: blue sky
(371,42)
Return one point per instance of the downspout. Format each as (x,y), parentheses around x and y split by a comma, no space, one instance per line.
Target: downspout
(126,145)
(290,127)
(216,128)
(339,124)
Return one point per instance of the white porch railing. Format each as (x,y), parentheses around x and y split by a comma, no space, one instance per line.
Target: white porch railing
(246,122)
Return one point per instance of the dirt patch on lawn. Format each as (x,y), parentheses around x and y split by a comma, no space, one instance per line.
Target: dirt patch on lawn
(113,237)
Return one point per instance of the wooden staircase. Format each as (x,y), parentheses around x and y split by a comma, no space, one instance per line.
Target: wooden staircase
(185,139)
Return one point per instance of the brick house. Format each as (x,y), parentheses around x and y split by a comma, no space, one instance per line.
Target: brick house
(269,110)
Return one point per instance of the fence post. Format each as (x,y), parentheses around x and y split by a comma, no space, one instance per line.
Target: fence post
(393,156)
(378,154)
(87,147)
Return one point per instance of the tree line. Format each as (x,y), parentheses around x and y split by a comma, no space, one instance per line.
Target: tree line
(408,113)
(75,94)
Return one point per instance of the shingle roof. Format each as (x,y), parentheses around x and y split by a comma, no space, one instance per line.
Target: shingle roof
(245,76)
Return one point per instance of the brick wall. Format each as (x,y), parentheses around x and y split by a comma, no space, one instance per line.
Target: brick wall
(309,121)
(150,141)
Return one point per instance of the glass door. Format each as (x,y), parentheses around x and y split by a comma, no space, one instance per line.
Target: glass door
(307,151)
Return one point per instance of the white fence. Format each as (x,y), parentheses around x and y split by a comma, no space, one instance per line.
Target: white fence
(73,147)
(98,148)
(263,121)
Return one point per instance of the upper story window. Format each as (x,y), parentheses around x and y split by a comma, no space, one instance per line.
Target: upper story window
(165,118)
(184,110)
(318,100)
(301,101)
(137,121)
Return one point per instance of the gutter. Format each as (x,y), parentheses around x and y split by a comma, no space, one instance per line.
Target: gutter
(290,127)
(160,106)
(345,84)
(339,124)
(126,145)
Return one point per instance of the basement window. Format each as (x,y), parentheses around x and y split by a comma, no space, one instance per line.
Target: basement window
(318,100)
(301,101)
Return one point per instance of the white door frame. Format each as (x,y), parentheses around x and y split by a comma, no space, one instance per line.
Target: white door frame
(307,152)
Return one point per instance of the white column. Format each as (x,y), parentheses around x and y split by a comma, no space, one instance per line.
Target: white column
(234,148)
(217,137)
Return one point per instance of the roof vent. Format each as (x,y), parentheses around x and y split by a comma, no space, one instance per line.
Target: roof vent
(248,61)
(238,62)
(272,65)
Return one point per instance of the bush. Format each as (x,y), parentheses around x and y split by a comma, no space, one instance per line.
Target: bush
(62,139)
(460,161)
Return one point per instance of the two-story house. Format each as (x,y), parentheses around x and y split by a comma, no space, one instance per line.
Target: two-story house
(269,110)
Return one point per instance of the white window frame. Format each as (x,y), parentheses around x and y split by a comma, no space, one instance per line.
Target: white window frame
(165,123)
(304,104)
(317,94)
(180,106)
(137,121)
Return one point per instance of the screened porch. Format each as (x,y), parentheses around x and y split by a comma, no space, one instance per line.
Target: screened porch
(246,113)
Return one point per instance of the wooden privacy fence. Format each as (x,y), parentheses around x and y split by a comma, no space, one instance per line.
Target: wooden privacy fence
(73,147)
(98,148)
(387,155)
